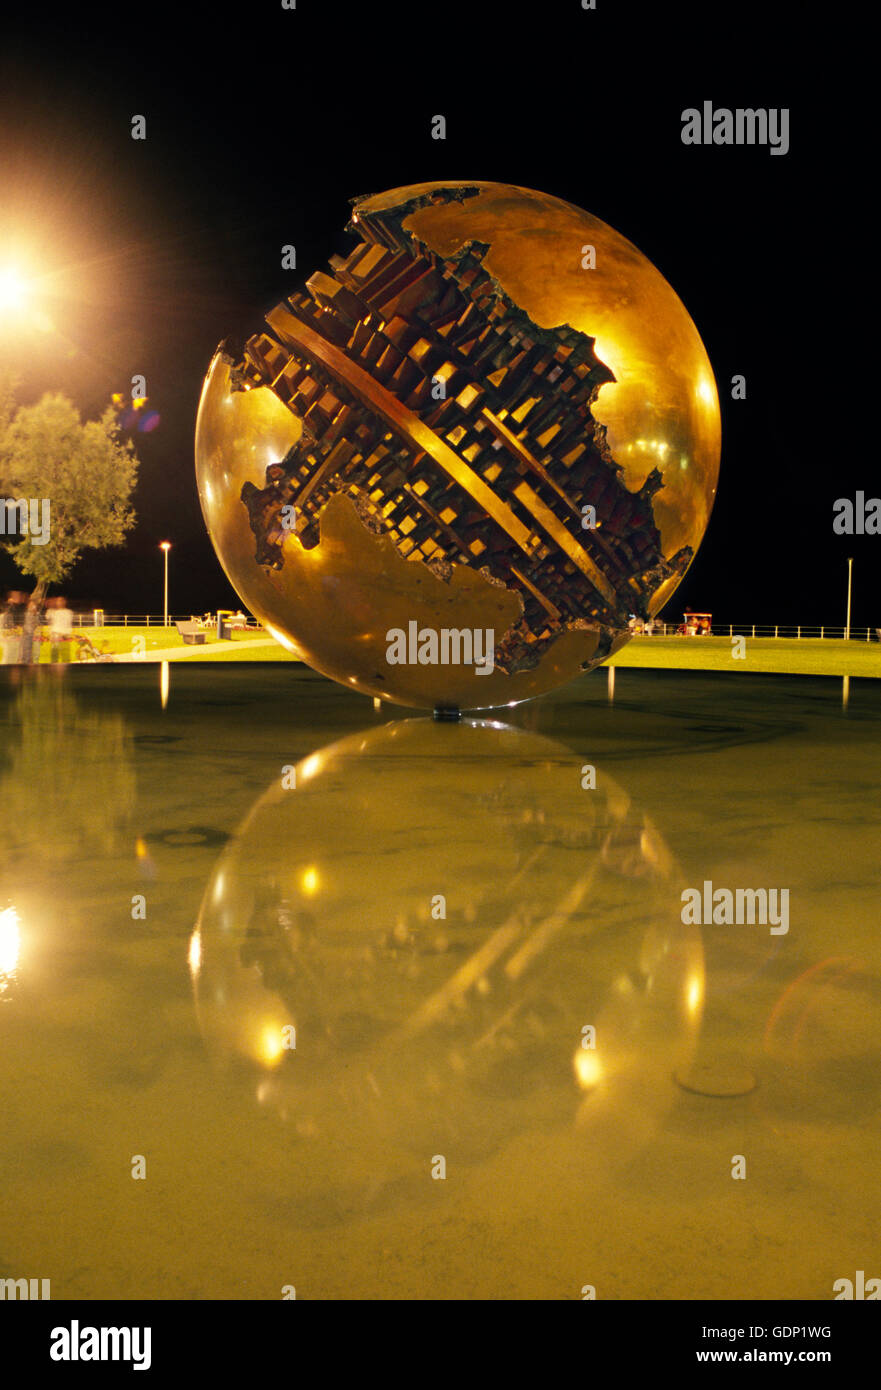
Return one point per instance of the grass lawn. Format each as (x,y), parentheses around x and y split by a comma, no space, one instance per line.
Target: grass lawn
(123,640)
(812,656)
(235,651)
(777,656)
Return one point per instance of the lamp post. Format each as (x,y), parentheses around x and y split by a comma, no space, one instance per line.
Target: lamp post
(849,575)
(166,546)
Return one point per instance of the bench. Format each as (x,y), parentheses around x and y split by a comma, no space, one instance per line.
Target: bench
(192,634)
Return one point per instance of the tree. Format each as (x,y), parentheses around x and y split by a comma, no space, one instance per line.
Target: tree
(8,386)
(86,472)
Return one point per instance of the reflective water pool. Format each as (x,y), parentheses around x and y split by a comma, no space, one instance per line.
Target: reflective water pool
(298,994)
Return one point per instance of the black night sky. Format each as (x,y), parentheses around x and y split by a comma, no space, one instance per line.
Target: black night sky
(262,123)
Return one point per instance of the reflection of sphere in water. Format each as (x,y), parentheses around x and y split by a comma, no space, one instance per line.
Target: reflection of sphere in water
(440,912)
(467,425)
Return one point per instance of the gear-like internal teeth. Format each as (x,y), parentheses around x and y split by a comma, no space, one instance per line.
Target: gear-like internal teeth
(459,429)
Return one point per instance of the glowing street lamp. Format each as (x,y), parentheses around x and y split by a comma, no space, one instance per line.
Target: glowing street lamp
(849,579)
(166,546)
(13,290)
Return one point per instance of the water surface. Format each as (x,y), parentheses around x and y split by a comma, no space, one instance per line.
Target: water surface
(299,1004)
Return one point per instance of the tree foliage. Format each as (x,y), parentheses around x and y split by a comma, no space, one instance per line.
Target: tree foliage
(8,387)
(86,470)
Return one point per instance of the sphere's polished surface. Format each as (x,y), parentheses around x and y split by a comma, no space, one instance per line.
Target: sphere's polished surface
(454,470)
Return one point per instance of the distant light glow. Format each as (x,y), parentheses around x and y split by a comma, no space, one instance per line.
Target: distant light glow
(587,1068)
(194,954)
(14,290)
(271,1046)
(694,994)
(310,881)
(10,945)
(310,766)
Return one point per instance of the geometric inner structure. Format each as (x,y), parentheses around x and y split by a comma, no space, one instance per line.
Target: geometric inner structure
(460,429)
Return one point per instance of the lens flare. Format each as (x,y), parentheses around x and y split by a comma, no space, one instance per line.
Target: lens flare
(13,290)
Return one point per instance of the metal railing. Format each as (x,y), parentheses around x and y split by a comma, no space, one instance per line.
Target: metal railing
(88,619)
(129,619)
(800,631)
(790,631)
(797,632)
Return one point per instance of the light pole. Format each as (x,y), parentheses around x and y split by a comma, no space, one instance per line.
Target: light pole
(166,546)
(849,575)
